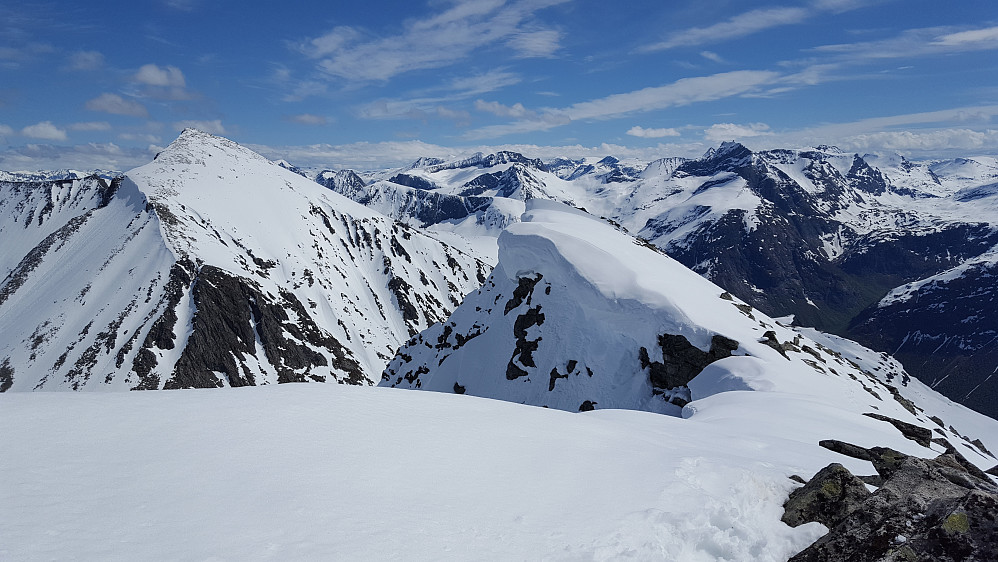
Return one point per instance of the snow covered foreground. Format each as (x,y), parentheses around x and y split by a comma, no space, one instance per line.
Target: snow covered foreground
(337,472)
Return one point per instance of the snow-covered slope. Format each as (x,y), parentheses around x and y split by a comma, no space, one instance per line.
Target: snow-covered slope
(212,266)
(578,316)
(373,473)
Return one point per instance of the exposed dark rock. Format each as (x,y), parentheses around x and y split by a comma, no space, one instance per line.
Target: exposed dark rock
(847,449)
(919,435)
(980,445)
(555,375)
(231,314)
(524,348)
(523,290)
(587,406)
(161,334)
(458,389)
(828,498)
(6,375)
(414,182)
(925,509)
(769,338)
(681,360)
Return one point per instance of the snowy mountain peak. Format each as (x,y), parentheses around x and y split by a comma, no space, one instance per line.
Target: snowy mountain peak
(212,266)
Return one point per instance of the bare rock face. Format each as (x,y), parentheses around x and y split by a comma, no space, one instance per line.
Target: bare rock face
(925,509)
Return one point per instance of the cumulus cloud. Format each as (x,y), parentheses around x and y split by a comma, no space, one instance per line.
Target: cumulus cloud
(86,60)
(116,105)
(214,126)
(731,131)
(90,126)
(167,77)
(638,131)
(308,119)
(435,41)
(44,130)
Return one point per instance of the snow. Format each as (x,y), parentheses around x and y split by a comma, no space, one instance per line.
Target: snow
(384,474)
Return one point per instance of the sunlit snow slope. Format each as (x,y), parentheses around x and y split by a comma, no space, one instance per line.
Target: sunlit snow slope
(210,266)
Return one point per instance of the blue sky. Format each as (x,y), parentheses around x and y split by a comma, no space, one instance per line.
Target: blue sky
(378,83)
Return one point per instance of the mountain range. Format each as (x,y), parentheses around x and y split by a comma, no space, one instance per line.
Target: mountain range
(892,253)
(604,358)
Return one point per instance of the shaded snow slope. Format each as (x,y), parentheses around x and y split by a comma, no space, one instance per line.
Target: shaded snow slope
(578,316)
(371,473)
(212,266)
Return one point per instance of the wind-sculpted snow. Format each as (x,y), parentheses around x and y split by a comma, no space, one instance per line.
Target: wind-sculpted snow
(578,316)
(212,266)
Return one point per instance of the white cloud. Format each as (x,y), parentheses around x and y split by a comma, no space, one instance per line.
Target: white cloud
(477,84)
(516,111)
(754,21)
(731,131)
(427,102)
(86,60)
(167,77)
(5,131)
(214,126)
(116,105)
(88,156)
(922,141)
(536,43)
(44,130)
(976,37)
(679,93)
(740,25)
(933,134)
(712,56)
(638,131)
(140,137)
(90,126)
(435,41)
(308,119)
(460,118)
(917,42)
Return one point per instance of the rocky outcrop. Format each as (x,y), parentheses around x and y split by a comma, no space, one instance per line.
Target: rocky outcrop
(681,360)
(924,509)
